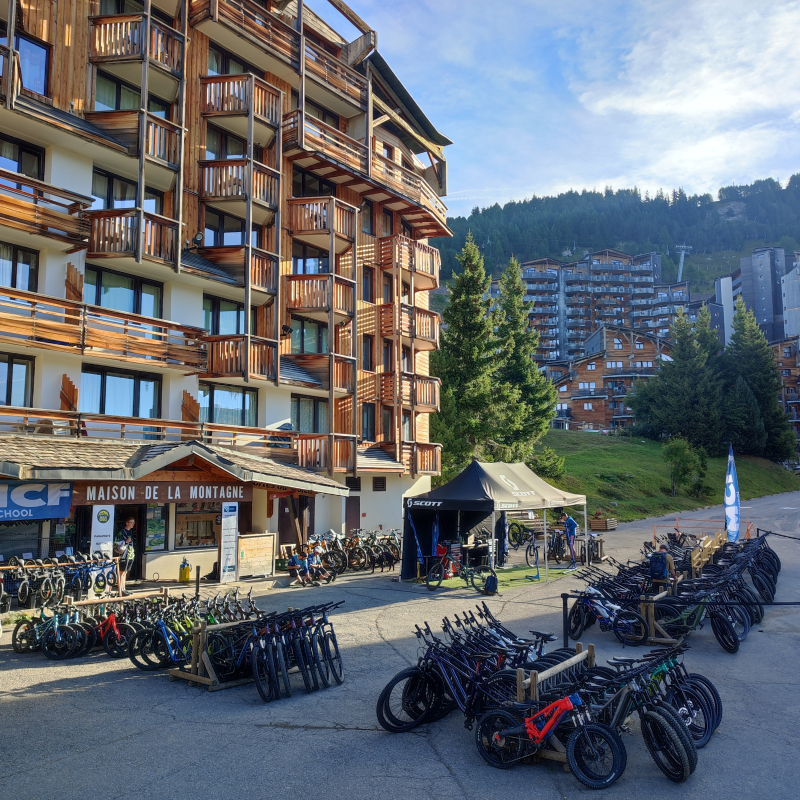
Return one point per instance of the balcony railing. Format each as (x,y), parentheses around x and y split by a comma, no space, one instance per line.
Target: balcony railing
(227,357)
(10,78)
(231,95)
(417,323)
(426,391)
(319,293)
(37,207)
(315,215)
(406,254)
(409,184)
(122,37)
(335,75)
(421,457)
(116,233)
(227,180)
(231,259)
(34,320)
(162,140)
(325,139)
(329,452)
(344,374)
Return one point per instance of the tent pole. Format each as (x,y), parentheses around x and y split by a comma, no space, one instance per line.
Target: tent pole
(544,515)
(491,544)
(586,532)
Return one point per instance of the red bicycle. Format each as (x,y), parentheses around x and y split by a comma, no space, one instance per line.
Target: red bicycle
(114,636)
(595,752)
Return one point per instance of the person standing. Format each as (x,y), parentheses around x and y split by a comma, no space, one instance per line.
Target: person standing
(571,530)
(123,548)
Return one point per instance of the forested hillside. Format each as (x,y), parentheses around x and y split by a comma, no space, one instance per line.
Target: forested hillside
(740,218)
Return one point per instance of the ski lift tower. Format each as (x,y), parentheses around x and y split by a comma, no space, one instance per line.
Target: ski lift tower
(683,249)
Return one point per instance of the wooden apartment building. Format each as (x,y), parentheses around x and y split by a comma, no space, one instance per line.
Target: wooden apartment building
(214,228)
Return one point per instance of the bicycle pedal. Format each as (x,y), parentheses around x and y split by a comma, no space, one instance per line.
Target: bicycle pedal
(625,729)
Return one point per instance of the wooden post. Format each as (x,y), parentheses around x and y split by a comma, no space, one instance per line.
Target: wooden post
(590,657)
(533,689)
(195,648)
(520,685)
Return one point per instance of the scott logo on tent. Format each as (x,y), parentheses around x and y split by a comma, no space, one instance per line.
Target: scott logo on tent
(423,503)
(516,490)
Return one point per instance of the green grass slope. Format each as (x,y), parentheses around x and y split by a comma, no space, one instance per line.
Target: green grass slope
(631,473)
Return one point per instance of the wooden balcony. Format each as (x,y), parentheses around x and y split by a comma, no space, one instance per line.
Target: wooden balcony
(323,222)
(246,28)
(309,133)
(228,357)
(416,325)
(10,78)
(344,374)
(421,458)
(228,184)
(418,391)
(40,209)
(328,452)
(115,234)
(120,42)
(316,295)
(230,100)
(41,322)
(411,258)
(232,259)
(335,77)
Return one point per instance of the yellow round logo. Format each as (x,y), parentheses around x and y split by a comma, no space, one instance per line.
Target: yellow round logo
(102,515)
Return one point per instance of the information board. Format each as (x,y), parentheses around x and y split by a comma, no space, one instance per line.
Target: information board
(227,547)
(102,529)
(256,554)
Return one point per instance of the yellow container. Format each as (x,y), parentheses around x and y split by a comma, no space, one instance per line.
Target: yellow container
(185,573)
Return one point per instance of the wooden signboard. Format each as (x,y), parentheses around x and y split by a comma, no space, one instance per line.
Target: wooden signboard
(88,493)
(256,554)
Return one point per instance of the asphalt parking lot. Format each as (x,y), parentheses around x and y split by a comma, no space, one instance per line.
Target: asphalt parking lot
(75,728)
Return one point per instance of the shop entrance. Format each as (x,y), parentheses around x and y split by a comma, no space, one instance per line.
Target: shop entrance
(352,514)
(121,515)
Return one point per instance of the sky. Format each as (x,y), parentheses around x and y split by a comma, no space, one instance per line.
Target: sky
(540,97)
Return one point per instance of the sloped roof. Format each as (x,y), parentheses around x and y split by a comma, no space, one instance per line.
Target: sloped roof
(376,459)
(89,458)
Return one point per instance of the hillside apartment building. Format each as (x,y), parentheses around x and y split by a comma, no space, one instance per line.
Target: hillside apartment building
(214,269)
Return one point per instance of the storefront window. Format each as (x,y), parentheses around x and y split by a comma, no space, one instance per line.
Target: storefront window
(197,524)
(20,539)
(62,537)
(155,535)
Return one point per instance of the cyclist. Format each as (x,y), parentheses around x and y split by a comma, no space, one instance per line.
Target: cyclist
(317,569)
(571,529)
(298,568)
(123,547)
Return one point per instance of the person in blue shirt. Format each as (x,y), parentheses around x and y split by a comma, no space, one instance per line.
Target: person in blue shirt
(298,567)
(571,529)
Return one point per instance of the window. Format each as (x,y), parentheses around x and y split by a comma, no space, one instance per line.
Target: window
(379,483)
(309,414)
(368,353)
(613,365)
(787,352)
(387,289)
(368,422)
(19,268)
(109,289)
(224,230)
(387,423)
(122,394)
(563,388)
(197,525)
(367,225)
(405,293)
(368,285)
(406,360)
(586,385)
(317,111)
(16,380)
(591,365)
(308,336)
(304,184)
(307,260)
(34,61)
(19,157)
(387,223)
(406,230)
(221,62)
(110,191)
(388,151)
(406,163)
(644,364)
(618,344)
(407,436)
(225,317)
(112,94)
(353,484)
(221,145)
(639,345)
(587,406)
(387,355)
(228,405)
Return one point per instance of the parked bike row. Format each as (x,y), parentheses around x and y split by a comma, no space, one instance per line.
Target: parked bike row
(473,667)
(729,594)
(35,582)
(362,550)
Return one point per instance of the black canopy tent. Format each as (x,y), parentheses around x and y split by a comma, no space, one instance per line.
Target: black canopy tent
(476,493)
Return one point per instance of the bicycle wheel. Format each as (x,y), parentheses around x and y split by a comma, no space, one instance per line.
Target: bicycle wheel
(576,621)
(406,701)
(300,661)
(479,576)
(724,632)
(140,644)
(91,639)
(46,589)
(23,640)
(531,556)
(59,644)
(357,558)
(740,620)
(596,755)
(496,746)
(282,669)
(23,593)
(630,628)
(333,656)
(264,673)
(516,535)
(321,665)
(694,710)
(712,692)
(557,550)
(435,576)
(665,746)
(671,714)
(116,646)
(754,607)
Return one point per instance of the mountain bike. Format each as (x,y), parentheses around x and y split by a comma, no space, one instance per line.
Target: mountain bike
(447,564)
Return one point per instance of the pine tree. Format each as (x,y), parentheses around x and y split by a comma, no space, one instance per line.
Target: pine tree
(684,398)
(519,343)
(707,338)
(744,427)
(748,355)
(478,408)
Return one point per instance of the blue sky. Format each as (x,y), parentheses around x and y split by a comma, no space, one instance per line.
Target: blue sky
(539,97)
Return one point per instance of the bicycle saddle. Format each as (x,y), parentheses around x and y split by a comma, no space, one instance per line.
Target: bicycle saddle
(483,656)
(547,637)
(622,660)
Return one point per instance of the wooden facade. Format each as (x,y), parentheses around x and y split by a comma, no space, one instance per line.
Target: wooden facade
(292,105)
(787,360)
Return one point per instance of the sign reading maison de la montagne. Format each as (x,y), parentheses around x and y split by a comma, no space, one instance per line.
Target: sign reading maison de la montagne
(117,492)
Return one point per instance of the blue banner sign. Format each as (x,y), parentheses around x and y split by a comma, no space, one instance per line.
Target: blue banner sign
(732,506)
(34,500)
